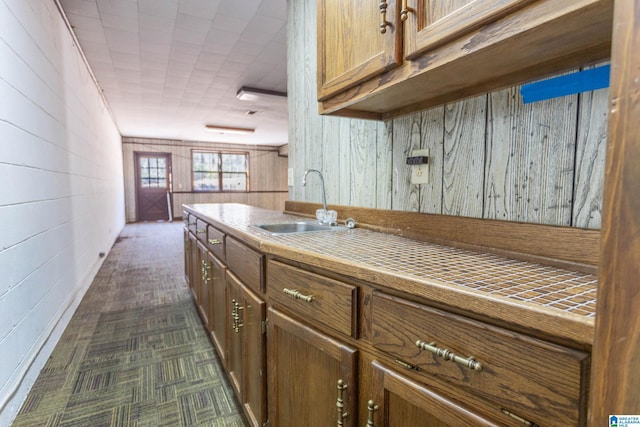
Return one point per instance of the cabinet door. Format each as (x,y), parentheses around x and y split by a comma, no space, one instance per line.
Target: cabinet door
(304,369)
(196,266)
(352,44)
(396,401)
(187,256)
(203,293)
(431,23)
(218,317)
(247,361)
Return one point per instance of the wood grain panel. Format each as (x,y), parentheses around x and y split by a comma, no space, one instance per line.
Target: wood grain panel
(590,158)
(616,361)
(464,130)
(331,148)
(406,138)
(530,162)
(384,162)
(296,94)
(364,138)
(432,137)
(344,160)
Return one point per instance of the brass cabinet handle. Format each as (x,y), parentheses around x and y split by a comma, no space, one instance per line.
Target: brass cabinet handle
(371,409)
(215,241)
(204,271)
(342,414)
(235,316)
(383,16)
(446,354)
(200,231)
(404,13)
(298,295)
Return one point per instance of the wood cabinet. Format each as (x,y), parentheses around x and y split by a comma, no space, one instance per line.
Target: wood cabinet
(391,399)
(218,306)
(305,366)
(247,346)
(203,289)
(303,345)
(352,45)
(451,49)
(492,363)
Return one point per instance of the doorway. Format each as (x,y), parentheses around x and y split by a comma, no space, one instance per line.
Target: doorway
(153,186)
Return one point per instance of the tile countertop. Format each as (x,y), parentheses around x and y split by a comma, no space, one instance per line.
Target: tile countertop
(550,300)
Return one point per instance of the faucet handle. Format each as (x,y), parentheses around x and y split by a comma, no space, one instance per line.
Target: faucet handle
(350,222)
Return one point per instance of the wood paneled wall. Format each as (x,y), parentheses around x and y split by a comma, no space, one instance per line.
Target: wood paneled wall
(491,156)
(267,174)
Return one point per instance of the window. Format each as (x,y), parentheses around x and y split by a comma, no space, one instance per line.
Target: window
(153,172)
(217,171)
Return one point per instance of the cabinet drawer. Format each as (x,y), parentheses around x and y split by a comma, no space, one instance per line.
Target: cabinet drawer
(215,242)
(245,263)
(201,230)
(191,223)
(313,297)
(539,381)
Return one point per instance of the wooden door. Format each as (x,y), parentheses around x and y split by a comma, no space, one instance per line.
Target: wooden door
(431,23)
(254,381)
(195,268)
(153,186)
(351,46)
(218,308)
(234,343)
(203,302)
(304,369)
(246,349)
(396,401)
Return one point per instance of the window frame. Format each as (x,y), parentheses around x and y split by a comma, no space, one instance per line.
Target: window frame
(220,171)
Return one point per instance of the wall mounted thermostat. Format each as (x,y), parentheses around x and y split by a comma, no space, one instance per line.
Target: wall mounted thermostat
(419,163)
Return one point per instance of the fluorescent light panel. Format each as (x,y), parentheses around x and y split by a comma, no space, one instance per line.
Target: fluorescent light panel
(232,130)
(246,93)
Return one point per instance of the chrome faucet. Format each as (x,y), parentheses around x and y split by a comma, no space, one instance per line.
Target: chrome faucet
(324,193)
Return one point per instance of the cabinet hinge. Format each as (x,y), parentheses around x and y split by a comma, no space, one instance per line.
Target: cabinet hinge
(267,424)
(265,323)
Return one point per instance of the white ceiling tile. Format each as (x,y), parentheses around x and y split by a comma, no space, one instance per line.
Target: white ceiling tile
(168,66)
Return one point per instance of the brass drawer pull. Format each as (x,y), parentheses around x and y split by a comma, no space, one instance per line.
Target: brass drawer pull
(383,17)
(518,418)
(215,241)
(342,414)
(298,295)
(200,231)
(371,409)
(446,354)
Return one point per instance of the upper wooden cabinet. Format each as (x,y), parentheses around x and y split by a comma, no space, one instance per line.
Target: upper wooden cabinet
(449,49)
(357,40)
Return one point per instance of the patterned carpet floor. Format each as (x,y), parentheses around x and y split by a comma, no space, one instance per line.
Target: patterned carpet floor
(135,352)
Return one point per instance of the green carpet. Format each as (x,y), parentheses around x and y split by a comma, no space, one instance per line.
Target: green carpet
(135,352)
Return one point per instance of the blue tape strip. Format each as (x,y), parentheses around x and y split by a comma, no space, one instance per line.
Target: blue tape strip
(580,81)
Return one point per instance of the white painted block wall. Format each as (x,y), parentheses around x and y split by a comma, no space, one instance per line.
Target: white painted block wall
(61,189)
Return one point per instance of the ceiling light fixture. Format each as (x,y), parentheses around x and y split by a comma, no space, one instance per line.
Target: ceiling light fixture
(252,94)
(232,130)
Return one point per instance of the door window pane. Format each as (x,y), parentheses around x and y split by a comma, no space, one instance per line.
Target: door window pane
(153,172)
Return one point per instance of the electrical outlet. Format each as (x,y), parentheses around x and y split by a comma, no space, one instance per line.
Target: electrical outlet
(420,173)
(290,177)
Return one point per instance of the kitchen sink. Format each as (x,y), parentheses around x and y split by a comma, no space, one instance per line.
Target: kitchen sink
(298,227)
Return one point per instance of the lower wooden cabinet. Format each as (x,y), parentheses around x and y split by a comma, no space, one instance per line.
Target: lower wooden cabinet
(304,369)
(203,300)
(390,399)
(246,349)
(218,307)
